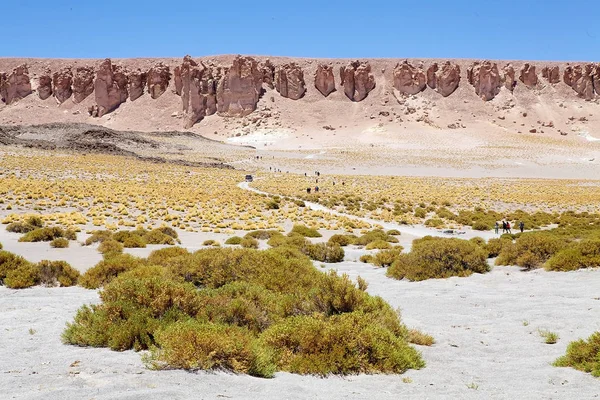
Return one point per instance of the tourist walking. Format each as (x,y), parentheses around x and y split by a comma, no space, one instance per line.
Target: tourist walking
(503,226)
(508,228)
(496,227)
(521,226)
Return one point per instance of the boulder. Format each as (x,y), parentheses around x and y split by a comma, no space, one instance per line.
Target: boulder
(445,80)
(239,88)
(597,80)
(16,85)
(580,78)
(62,82)
(45,84)
(509,77)
(485,78)
(357,80)
(551,74)
(409,79)
(83,83)
(199,91)
(324,79)
(158,80)
(528,75)
(137,83)
(108,88)
(268,73)
(289,81)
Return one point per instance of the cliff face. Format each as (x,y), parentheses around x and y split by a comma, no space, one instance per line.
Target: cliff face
(233,86)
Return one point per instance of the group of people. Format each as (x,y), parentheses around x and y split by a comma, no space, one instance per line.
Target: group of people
(506,227)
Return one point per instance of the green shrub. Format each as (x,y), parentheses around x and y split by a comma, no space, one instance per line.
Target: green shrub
(249,243)
(1,246)
(482,226)
(20,227)
(59,243)
(45,234)
(306,231)
(57,273)
(366,258)
(439,258)
(583,355)
(342,240)
(324,252)
(209,242)
(531,250)
(234,240)
(165,256)
(108,269)
(10,262)
(378,244)
(342,344)
(584,254)
(110,246)
(420,338)
(134,241)
(495,246)
(98,236)
(386,258)
(393,232)
(22,277)
(434,222)
(374,235)
(156,236)
(166,230)
(262,234)
(420,212)
(192,345)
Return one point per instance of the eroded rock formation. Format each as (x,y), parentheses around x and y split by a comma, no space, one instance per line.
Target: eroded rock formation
(199,91)
(268,72)
(16,85)
(137,83)
(108,88)
(508,77)
(62,82)
(528,75)
(445,80)
(580,78)
(158,80)
(83,83)
(45,84)
(485,78)
(409,79)
(324,79)
(177,79)
(357,80)
(551,74)
(239,88)
(289,81)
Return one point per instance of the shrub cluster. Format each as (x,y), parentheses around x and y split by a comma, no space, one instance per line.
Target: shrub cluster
(530,250)
(375,235)
(583,355)
(48,234)
(325,252)
(305,231)
(244,310)
(439,258)
(18,273)
(137,238)
(30,224)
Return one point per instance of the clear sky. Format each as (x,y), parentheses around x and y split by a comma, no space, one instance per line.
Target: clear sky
(506,29)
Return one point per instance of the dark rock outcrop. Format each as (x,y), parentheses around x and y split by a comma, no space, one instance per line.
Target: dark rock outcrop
(289,81)
(177,79)
(581,79)
(528,75)
(357,80)
(16,85)
(551,74)
(158,80)
(83,83)
(45,84)
(508,77)
(485,78)
(239,88)
(137,83)
(445,80)
(324,79)
(409,79)
(108,88)
(62,82)
(199,91)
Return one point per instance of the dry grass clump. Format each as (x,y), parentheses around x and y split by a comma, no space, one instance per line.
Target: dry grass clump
(373,236)
(110,246)
(249,243)
(305,231)
(325,252)
(59,243)
(342,240)
(583,355)
(420,338)
(262,234)
(378,244)
(247,311)
(234,240)
(439,258)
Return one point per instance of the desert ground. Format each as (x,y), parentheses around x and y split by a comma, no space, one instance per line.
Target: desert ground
(136,168)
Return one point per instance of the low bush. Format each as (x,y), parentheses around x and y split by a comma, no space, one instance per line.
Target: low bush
(374,235)
(234,240)
(386,258)
(22,277)
(167,255)
(342,240)
(209,242)
(378,244)
(249,243)
(583,254)
(531,250)
(495,246)
(434,222)
(324,252)
(420,338)
(10,262)
(48,234)
(98,236)
(583,355)
(32,223)
(110,246)
(306,231)
(439,258)
(157,236)
(262,234)
(108,269)
(57,273)
(393,232)
(366,258)
(59,243)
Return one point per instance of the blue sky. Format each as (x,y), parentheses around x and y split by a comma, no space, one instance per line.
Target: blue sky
(508,29)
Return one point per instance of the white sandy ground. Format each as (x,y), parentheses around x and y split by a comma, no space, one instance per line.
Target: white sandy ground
(485,326)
